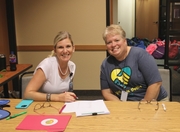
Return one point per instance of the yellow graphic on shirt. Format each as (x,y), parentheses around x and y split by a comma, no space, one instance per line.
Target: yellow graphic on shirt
(121,77)
(131,90)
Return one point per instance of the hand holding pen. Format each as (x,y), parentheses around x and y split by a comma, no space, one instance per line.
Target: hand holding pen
(70,97)
(74,95)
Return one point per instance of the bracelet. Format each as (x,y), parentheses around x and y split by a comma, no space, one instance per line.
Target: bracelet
(48,97)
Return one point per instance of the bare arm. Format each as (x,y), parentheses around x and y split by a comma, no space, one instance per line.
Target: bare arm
(109,96)
(31,91)
(152,91)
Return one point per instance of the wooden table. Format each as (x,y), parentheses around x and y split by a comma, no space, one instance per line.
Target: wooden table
(123,117)
(10,75)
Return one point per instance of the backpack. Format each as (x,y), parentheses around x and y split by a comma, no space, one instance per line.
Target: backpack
(159,52)
(173,50)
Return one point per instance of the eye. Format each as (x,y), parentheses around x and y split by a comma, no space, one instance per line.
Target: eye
(68,46)
(108,42)
(60,47)
(117,40)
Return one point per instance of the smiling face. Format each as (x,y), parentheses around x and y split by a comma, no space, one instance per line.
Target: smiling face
(116,46)
(116,43)
(64,50)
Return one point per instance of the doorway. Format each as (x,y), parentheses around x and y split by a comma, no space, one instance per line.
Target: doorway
(147,16)
(126,16)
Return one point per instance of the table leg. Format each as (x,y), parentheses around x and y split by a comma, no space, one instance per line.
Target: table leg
(5,89)
(15,82)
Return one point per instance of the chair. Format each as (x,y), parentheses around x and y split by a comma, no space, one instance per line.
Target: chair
(24,80)
(166,74)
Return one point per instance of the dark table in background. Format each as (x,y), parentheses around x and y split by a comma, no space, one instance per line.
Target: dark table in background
(11,75)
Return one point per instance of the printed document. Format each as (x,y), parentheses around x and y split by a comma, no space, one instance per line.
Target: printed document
(86,108)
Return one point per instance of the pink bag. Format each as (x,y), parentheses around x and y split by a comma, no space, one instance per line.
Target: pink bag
(173,50)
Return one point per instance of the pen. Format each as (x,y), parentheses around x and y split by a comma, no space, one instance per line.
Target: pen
(164,107)
(74,96)
(15,115)
(93,113)
(62,109)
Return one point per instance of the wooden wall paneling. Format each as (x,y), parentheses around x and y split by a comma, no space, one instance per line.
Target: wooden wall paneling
(49,47)
(4,42)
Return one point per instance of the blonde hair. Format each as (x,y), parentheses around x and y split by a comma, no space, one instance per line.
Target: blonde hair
(114,30)
(59,37)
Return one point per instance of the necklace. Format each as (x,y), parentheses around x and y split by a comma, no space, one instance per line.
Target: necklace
(62,72)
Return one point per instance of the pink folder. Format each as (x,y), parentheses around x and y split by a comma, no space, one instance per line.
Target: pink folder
(44,122)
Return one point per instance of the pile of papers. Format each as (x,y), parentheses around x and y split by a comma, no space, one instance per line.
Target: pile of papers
(86,108)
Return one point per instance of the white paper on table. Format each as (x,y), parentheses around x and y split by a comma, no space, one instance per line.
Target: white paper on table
(70,107)
(86,108)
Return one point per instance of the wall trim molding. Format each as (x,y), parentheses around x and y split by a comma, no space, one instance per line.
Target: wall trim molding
(49,48)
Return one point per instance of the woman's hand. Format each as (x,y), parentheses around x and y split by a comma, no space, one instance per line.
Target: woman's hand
(64,97)
(109,96)
(70,96)
(152,91)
